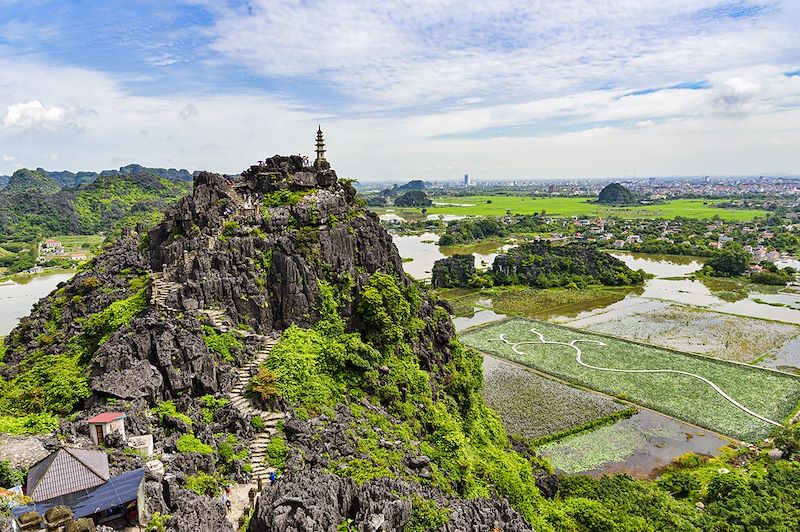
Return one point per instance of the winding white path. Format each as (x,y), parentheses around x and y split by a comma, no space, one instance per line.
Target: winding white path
(579,354)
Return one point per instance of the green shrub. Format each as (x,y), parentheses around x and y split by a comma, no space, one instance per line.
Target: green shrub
(264,384)
(29,424)
(229,229)
(9,476)
(168,409)
(158,522)
(189,443)
(426,515)
(679,484)
(221,343)
(203,484)
(101,325)
(297,364)
(276,452)
(257,423)
(210,406)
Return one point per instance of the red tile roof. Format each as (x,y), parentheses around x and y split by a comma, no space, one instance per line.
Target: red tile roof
(106,417)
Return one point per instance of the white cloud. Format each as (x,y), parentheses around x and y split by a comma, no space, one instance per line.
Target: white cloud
(554,91)
(389,54)
(32,115)
(8,158)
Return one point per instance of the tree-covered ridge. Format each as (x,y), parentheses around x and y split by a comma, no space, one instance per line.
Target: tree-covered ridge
(413,198)
(24,180)
(67,179)
(474,229)
(31,207)
(616,194)
(543,265)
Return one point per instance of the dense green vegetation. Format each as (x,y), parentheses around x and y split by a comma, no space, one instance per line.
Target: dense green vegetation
(34,206)
(616,194)
(543,265)
(474,229)
(318,367)
(413,198)
(730,260)
(47,384)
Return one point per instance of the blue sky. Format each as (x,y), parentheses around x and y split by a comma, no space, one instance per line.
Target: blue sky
(404,89)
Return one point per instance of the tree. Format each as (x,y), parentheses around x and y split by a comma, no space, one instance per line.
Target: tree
(413,198)
(679,484)
(787,439)
(731,259)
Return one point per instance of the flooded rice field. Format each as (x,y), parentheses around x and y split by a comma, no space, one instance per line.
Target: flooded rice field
(683,328)
(716,318)
(533,406)
(638,446)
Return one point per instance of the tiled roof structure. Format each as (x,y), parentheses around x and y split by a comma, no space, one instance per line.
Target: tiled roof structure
(121,489)
(106,417)
(66,471)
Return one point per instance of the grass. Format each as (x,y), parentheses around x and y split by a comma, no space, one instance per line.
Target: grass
(532,406)
(557,206)
(680,396)
(76,241)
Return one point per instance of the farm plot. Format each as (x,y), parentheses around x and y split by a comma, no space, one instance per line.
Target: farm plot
(533,407)
(758,392)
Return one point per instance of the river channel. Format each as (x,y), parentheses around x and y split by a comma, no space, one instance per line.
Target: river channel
(17,299)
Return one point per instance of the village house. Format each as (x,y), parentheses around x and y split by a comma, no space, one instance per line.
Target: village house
(77,257)
(101,425)
(80,480)
(52,246)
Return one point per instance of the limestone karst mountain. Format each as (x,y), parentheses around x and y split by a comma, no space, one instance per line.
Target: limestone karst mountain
(266,324)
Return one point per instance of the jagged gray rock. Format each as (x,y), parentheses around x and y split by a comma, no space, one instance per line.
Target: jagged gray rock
(313,500)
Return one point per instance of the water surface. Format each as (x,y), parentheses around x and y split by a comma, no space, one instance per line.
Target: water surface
(17,299)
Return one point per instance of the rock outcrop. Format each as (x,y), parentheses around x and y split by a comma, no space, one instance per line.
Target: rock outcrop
(616,194)
(318,501)
(453,271)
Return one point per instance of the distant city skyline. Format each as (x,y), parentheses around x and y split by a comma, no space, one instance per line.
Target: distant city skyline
(503,91)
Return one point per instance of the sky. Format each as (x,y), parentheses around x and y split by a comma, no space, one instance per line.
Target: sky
(409,89)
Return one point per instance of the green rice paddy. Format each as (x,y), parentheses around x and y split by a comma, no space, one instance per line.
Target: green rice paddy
(770,394)
(498,205)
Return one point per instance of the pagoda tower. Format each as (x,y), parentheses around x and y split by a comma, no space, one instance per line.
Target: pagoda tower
(320,161)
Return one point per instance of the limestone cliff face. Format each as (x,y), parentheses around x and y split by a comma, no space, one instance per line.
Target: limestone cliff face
(258,246)
(247,252)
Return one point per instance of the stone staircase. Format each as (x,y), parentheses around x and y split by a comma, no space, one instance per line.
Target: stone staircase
(161,290)
(246,406)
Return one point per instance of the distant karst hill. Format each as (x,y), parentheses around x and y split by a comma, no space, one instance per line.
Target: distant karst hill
(413,198)
(67,179)
(616,194)
(34,205)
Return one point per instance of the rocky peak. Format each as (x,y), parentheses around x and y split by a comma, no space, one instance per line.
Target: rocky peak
(259,244)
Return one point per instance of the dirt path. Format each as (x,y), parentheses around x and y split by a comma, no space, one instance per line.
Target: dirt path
(240,502)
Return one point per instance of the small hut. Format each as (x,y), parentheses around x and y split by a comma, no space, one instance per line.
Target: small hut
(775,454)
